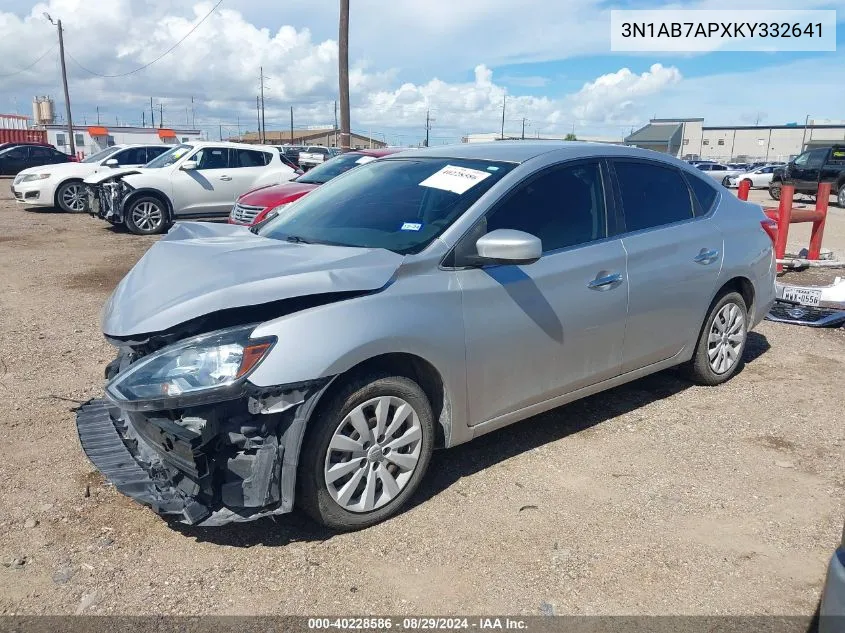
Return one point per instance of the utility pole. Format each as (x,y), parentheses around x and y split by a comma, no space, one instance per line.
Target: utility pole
(343,74)
(143,118)
(220,131)
(160,115)
(152,114)
(98,115)
(193,114)
(504,103)
(803,136)
(64,83)
(291,125)
(263,125)
(258,115)
(335,123)
(427,126)
(523,128)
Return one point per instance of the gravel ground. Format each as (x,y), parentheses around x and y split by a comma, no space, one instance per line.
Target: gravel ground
(654,498)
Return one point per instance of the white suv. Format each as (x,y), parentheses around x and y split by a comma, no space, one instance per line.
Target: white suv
(201,179)
(61,185)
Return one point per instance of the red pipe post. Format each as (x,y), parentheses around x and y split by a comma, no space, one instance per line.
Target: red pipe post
(822,200)
(784,216)
(744,188)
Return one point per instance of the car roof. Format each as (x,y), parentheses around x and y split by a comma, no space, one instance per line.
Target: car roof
(521,151)
(258,146)
(377,153)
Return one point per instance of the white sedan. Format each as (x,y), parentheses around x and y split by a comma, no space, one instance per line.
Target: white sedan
(61,185)
(760,177)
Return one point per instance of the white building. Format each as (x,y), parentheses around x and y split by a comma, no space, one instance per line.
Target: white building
(90,139)
(691,139)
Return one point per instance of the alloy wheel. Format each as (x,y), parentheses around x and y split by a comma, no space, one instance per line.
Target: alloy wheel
(727,335)
(73,197)
(373,454)
(147,216)
(840,197)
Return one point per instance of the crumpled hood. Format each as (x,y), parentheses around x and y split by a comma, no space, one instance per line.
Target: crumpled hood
(95,179)
(199,268)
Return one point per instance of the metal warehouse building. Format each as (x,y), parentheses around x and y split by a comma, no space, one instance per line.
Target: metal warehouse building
(690,139)
(90,139)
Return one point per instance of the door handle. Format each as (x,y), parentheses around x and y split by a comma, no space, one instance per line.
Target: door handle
(606,281)
(706,256)
(225,177)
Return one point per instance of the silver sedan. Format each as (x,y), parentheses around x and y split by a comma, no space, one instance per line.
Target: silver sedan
(415,302)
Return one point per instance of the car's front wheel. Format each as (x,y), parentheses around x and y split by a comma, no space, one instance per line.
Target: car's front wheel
(365,452)
(840,197)
(774,191)
(72,197)
(718,353)
(146,216)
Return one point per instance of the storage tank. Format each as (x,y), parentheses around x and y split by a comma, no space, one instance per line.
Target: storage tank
(43,111)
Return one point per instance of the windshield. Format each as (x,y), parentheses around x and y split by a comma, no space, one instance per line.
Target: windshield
(334,167)
(399,204)
(96,158)
(169,157)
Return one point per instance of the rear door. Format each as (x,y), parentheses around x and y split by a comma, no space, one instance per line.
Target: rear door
(674,257)
(14,160)
(247,165)
(41,156)
(538,331)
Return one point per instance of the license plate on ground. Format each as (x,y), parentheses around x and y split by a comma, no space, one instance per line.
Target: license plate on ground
(804,296)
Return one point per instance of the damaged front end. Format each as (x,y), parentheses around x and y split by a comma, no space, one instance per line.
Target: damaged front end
(185,433)
(107,194)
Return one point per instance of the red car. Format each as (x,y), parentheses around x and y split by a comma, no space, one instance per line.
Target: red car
(257,205)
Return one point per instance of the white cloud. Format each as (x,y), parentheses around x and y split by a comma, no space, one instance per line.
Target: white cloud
(613,97)
(406,57)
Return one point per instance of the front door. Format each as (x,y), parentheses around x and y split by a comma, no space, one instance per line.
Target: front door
(674,260)
(806,168)
(537,331)
(210,189)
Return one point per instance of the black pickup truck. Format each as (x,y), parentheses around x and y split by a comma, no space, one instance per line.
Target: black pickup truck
(807,170)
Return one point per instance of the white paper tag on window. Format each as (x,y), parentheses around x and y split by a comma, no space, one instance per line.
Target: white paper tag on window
(365,159)
(455,179)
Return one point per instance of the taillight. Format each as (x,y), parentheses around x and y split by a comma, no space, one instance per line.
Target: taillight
(771,229)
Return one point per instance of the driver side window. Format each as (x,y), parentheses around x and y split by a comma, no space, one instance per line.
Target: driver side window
(801,161)
(563,206)
(212,158)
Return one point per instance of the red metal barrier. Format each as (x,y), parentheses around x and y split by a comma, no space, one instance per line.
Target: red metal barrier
(785,215)
(744,188)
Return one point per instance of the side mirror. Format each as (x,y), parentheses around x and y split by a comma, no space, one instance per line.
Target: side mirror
(188,165)
(111,162)
(508,246)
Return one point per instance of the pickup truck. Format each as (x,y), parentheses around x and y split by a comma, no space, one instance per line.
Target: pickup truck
(807,170)
(315,155)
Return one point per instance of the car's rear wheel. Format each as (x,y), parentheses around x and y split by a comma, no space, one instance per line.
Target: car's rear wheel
(718,353)
(146,216)
(72,197)
(726,181)
(840,197)
(365,452)
(774,191)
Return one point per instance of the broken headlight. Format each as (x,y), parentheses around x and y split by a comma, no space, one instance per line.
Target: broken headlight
(199,370)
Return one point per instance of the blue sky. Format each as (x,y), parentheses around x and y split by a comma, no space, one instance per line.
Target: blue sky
(457,59)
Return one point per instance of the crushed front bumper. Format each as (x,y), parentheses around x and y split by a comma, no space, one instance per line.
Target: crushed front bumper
(229,462)
(830,311)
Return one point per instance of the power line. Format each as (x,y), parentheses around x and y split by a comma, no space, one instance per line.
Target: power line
(23,70)
(164,54)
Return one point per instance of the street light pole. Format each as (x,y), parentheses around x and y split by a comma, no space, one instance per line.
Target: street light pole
(64,83)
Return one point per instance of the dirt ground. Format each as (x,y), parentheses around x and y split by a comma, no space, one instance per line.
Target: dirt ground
(654,498)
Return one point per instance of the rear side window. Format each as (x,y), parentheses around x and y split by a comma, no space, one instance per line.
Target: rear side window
(251,158)
(704,192)
(155,152)
(652,195)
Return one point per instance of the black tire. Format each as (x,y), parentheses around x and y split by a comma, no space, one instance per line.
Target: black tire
(141,219)
(840,196)
(774,191)
(313,495)
(699,369)
(726,181)
(72,197)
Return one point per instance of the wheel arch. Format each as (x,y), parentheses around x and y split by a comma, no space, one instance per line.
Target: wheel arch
(148,191)
(743,286)
(417,369)
(62,184)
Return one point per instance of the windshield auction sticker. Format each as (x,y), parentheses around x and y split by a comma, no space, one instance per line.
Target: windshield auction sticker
(455,179)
